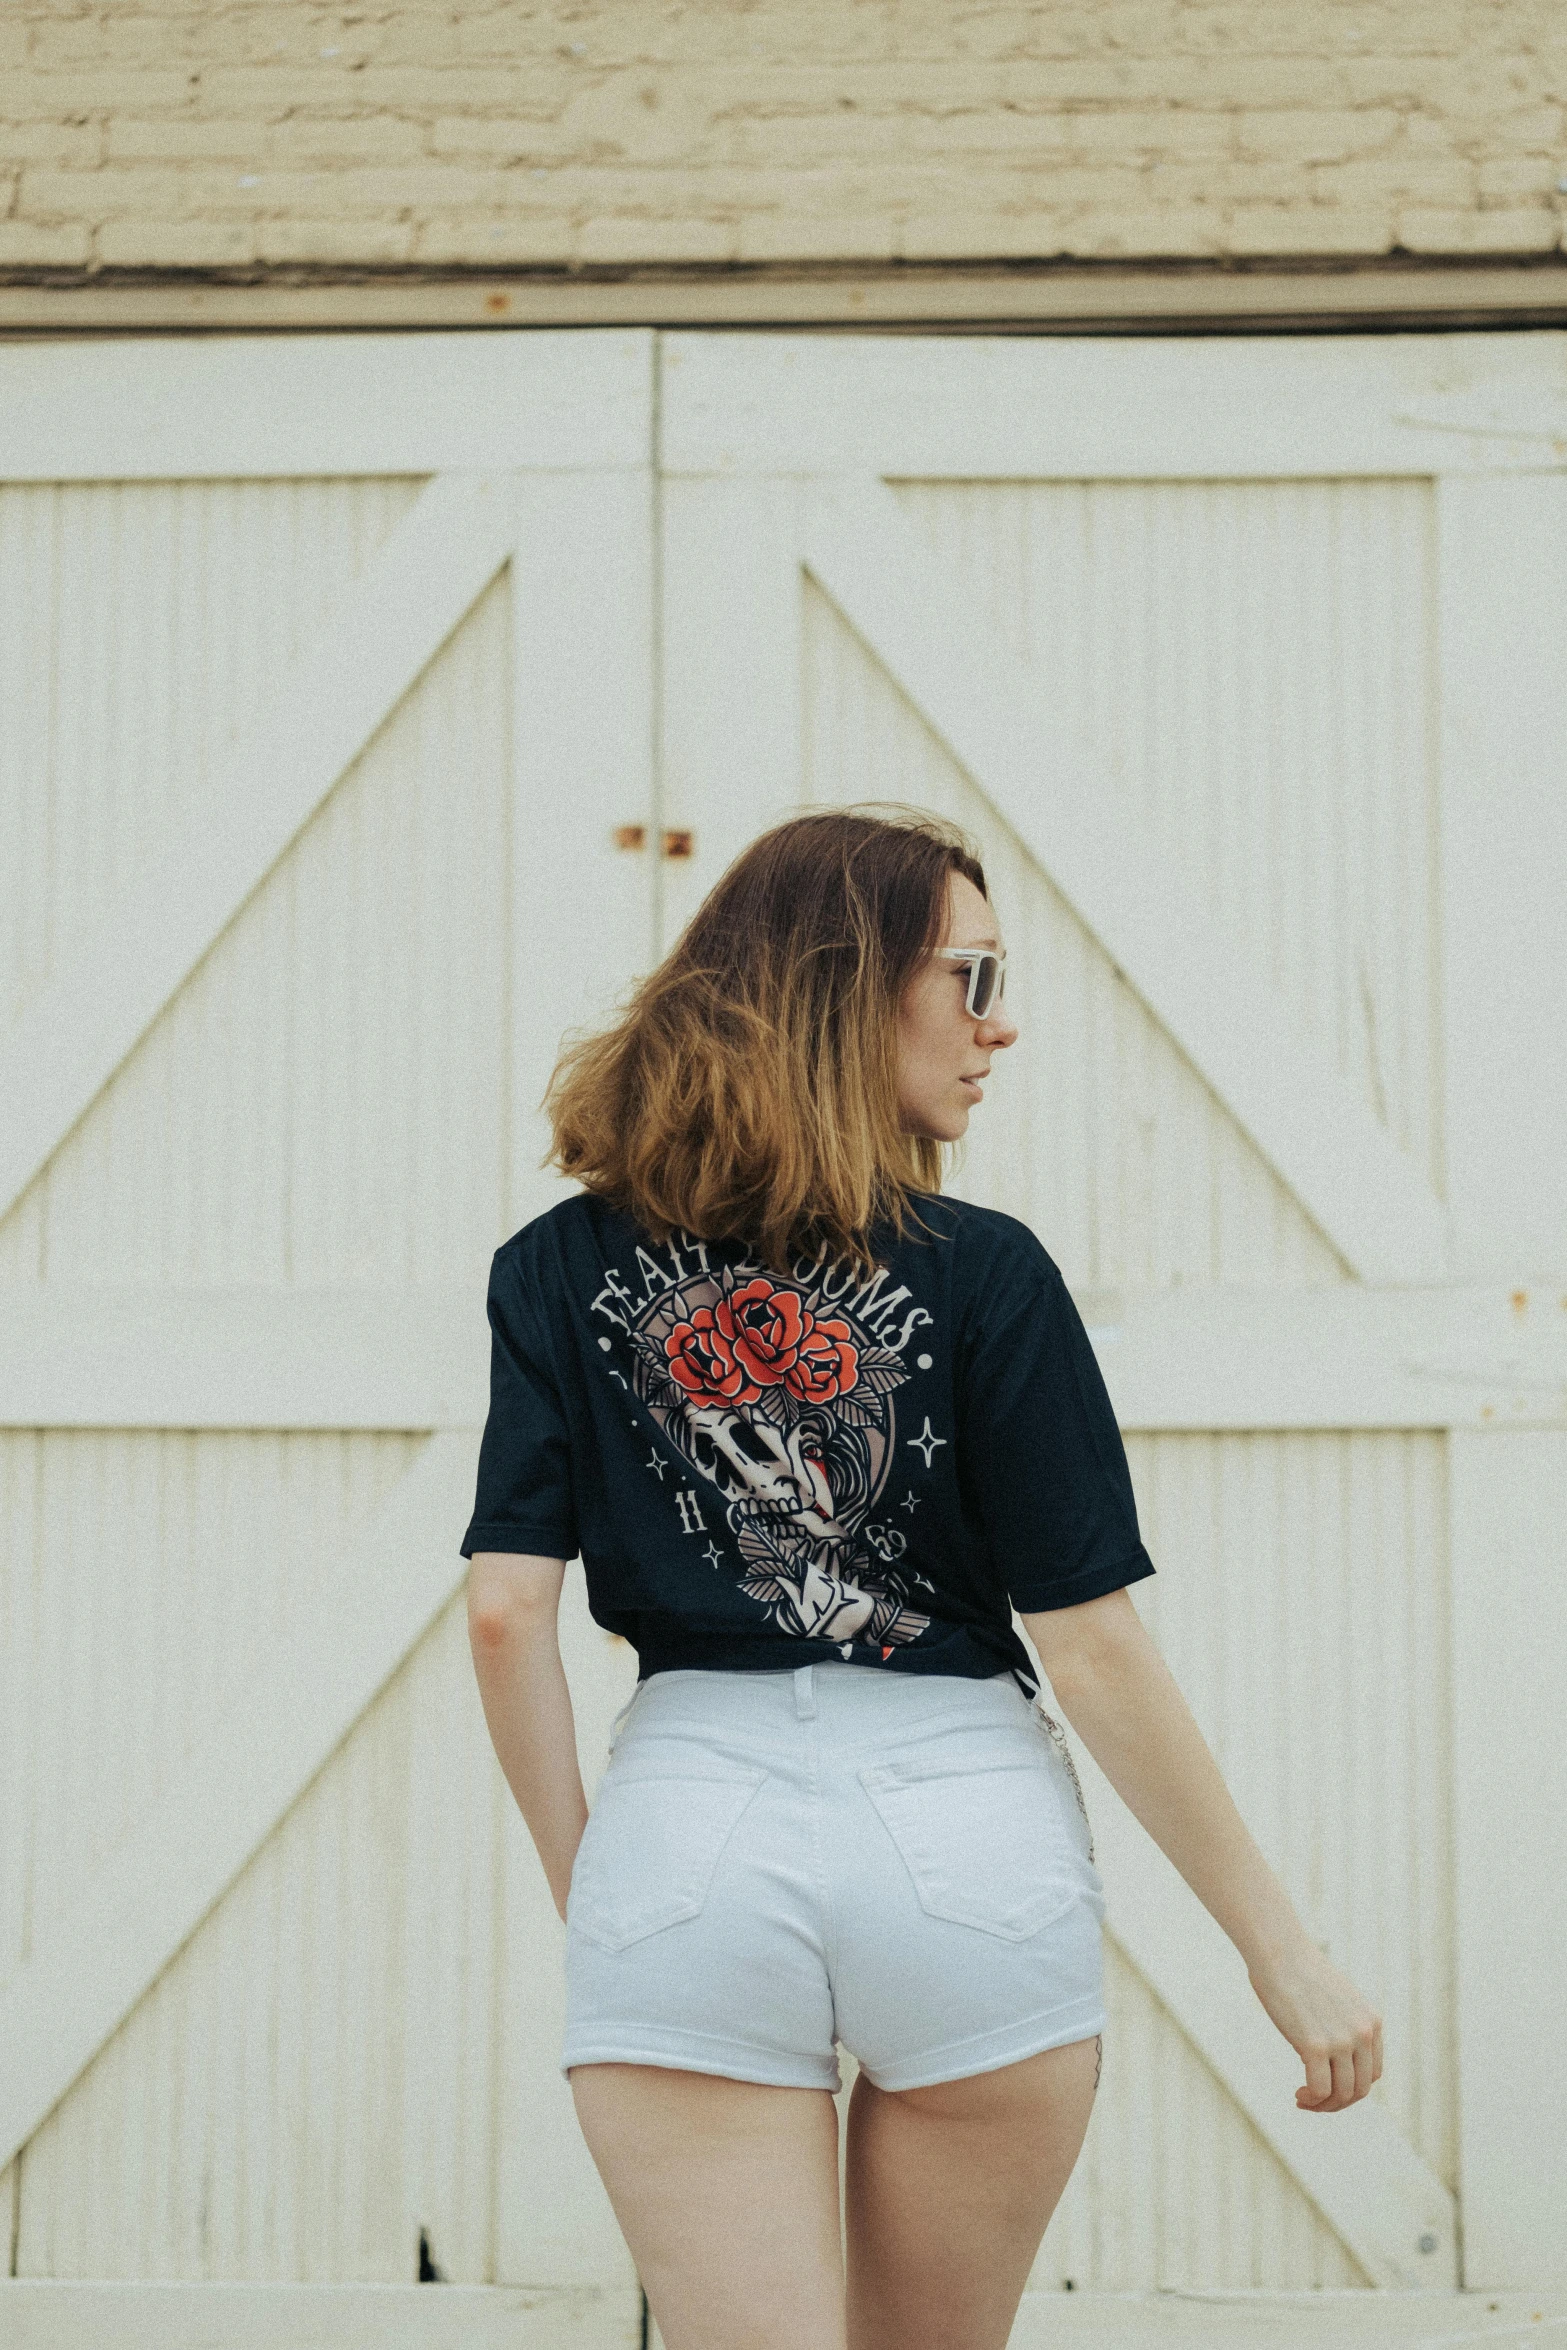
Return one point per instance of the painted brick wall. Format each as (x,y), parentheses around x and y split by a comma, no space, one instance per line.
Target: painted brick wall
(198,134)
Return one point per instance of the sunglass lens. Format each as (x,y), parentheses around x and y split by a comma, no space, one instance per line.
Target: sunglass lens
(984,985)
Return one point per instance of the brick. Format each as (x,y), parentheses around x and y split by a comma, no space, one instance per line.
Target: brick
(67,40)
(336,138)
(66,97)
(798,235)
(76,143)
(486,138)
(176,244)
(182,138)
(1173,231)
(1292,229)
(957,232)
(617,237)
(1399,179)
(1516,175)
(36,244)
(1528,130)
(1317,136)
(525,238)
(1517,229)
(1171,132)
(362,241)
(111,190)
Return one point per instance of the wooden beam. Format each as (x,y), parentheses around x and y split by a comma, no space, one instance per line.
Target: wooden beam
(1152,298)
(63,2314)
(75,1034)
(1371,2187)
(295,1703)
(1346,1356)
(38,2314)
(328,406)
(1369,1199)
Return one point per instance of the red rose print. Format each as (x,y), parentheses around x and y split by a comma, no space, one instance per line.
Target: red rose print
(702,1359)
(827,1365)
(765,1326)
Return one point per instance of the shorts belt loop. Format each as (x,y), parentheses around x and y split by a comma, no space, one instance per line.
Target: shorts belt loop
(805,1693)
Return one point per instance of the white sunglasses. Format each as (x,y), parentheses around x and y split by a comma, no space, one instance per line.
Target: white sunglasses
(987,976)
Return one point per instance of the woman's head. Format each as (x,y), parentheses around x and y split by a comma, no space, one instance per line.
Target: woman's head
(790,1071)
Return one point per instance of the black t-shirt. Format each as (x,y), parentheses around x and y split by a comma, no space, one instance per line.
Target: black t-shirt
(762,1471)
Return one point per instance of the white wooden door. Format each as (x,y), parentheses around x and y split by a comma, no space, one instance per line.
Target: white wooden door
(1243,662)
(326,675)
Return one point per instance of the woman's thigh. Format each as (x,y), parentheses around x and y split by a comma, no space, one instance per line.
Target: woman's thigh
(949,2190)
(727,2194)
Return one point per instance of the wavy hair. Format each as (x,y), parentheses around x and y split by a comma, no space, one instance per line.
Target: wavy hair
(749,1090)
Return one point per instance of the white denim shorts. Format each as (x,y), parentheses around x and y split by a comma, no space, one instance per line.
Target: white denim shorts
(779,1863)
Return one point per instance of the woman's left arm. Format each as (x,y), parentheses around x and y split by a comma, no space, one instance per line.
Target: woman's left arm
(1119,1696)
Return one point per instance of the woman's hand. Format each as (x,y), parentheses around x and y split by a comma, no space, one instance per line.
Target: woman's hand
(1332,2029)
(1117,1693)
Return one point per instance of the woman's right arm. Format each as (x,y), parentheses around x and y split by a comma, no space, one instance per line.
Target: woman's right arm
(513,1604)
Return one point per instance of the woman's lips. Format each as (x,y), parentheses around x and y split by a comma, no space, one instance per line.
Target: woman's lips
(973,1086)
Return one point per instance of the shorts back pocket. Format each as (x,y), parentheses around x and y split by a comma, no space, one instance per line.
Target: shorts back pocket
(652,1842)
(984,1839)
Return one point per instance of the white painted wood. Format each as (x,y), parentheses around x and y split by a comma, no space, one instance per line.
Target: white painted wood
(60,2316)
(1341,1356)
(1504,863)
(102,1356)
(77,1032)
(978,408)
(1509,1584)
(252,406)
(50,2316)
(1367,1196)
(1357,2167)
(296,1701)
(730,629)
(1504,866)
(582,767)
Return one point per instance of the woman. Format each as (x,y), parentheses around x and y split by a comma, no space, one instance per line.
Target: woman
(816,1432)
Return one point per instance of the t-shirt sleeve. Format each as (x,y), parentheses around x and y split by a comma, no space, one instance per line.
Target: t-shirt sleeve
(524,1500)
(1041,1451)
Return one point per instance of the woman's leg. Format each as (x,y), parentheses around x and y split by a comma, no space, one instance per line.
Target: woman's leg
(727,2193)
(949,2190)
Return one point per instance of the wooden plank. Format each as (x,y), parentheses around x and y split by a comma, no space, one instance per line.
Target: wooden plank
(243,1358)
(583,915)
(1364,1193)
(295,1704)
(62,2316)
(732,760)
(973,408)
(40,2315)
(249,407)
(1349,1356)
(1503,607)
(1508,1570)
(1503,859)
(583,693)
(1046,298)
(75,1034)
(1395,2216)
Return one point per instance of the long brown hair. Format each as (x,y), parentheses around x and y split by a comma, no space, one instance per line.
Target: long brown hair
(750,1089)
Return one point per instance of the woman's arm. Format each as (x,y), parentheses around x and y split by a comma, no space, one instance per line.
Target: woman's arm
(1118,1694)
(513,1604)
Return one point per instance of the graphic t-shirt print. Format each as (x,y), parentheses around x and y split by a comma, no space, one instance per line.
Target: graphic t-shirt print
(780,1394)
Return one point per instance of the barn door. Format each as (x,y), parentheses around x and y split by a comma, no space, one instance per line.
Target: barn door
(326,674)
(1243,663)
